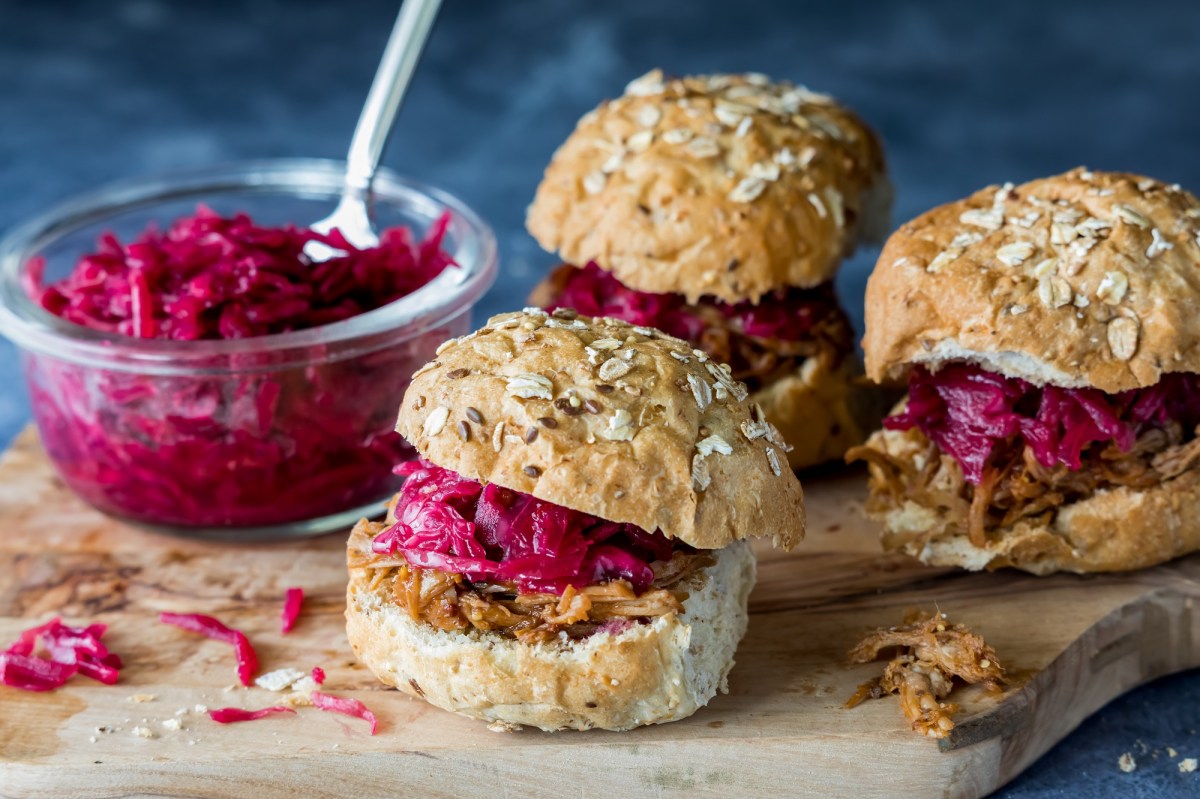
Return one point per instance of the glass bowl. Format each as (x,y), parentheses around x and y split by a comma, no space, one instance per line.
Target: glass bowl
(270,437)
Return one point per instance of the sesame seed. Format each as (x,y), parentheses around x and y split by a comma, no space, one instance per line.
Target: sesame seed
(474,415)
(532,471)
(564,404)
(498,437)
(464,431)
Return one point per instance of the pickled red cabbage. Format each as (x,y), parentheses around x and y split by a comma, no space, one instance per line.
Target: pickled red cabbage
(212,277)
(968,412)
(69,651)
(447,522)
(783,315)
(246,443)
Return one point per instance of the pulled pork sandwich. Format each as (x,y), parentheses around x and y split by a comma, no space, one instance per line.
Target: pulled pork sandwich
(570,552)
(718,209)
(1049,334)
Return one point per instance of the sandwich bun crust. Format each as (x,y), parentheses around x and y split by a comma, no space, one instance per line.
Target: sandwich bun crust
(726,186)
(1081,279)
(621,422)
(650,673)
(1118,529)
(822,410)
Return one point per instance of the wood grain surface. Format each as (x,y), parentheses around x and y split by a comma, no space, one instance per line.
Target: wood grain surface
(781,731)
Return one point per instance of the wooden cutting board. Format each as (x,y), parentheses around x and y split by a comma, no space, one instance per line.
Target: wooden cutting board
(781,730)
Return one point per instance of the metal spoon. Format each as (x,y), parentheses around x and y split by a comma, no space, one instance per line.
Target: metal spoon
(353,213)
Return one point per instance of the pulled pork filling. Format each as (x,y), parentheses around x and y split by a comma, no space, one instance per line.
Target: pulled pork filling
(461,555)
(1023,450)
(761,341)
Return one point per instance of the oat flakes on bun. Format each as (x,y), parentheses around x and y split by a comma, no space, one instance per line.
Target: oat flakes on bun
(571,549)
(719,209)
(1050,337)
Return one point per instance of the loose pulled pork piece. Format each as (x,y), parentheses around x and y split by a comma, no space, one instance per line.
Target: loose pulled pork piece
(450,602)
(933,652)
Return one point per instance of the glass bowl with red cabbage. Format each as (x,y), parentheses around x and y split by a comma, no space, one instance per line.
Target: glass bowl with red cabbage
(272,419)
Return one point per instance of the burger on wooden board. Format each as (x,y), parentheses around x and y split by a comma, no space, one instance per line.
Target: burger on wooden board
(571,550)
(1050,336)
(718,208)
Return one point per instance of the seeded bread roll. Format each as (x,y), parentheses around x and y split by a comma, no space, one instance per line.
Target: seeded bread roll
(1082,279)
(1118,529)
(822,411)
(625,423)
(650,673)
(726,186)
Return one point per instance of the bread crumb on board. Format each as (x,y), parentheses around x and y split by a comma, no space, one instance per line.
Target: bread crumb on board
(1126,763)
(1188,765)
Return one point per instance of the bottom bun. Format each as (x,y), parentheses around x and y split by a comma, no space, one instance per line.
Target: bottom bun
(1117,529)
(822,411)
(651,673)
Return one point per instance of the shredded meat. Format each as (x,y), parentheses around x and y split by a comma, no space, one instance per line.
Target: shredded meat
(451,602)
(755,361)
(1015,485)
(931,653)
(758,362)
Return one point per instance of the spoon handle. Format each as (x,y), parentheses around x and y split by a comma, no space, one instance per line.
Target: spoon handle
(387,90)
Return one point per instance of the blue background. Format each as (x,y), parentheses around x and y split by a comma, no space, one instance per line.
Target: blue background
(964,93)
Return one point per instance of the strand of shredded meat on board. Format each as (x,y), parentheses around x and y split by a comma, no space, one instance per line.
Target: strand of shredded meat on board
(932,653)
(1015,485)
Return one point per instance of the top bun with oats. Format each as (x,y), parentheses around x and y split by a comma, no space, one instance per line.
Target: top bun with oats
(719,208)
(1052,346)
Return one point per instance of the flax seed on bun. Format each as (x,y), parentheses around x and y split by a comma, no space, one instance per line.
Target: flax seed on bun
(1082,279)
(726,186)
(625,423)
